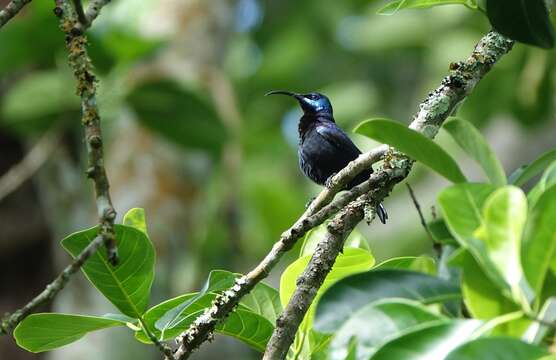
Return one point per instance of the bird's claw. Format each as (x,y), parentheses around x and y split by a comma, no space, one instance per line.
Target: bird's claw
(310,202)
(328,183)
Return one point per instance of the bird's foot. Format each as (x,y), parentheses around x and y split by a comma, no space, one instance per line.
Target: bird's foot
(328,182)
(310,202)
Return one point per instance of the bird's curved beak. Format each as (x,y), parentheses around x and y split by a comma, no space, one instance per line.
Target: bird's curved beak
(281,92)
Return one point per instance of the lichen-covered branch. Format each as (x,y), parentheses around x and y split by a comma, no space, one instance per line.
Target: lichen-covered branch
(11,10)
(433,111)
(76,44)
(86,89)
(10,322)
(313,277)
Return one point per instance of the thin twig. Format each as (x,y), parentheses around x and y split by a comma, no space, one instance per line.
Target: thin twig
(52,289)
(433,111)
(83,20)
(11,10)
(93,10)
(80,63)
(435,244)
(34,159)
(86,89)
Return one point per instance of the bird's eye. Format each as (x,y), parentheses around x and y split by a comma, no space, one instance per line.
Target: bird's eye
(312,97)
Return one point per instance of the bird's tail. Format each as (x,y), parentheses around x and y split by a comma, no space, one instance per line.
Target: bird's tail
(382,214)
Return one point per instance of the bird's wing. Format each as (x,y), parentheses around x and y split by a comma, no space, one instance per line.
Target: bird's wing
(339,140)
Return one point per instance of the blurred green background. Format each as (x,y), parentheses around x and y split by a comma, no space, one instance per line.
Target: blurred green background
(191,138)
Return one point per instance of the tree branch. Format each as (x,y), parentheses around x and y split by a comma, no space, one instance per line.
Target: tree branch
(86,88)
(35,158)
(11,10)
(80,63)
(52,289)
(433,111)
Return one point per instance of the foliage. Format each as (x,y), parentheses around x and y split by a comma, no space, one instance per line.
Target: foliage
(504,236)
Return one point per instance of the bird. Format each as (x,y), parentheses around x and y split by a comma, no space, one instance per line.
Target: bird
(324,148)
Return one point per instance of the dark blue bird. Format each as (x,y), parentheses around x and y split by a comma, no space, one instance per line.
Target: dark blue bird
(324,149)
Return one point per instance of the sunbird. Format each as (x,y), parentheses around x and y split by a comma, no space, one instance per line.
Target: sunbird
(324,149)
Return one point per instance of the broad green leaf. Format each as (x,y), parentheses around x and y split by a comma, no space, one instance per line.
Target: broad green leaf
(496,348)
(127,285)
(263,300)
(179,115)
(43,332)
(547,180)
(431,341)
(504,216)
(474,144)
(537,331)
(414,145)
(52,94)
(483,299)
(218,280)
(375,324)
(461,207)
(526,21)
(315,235)
(539,241)
(394,6)
(440,232)
(527,172)
(243,324)
(423,264)
(348,295)
(136,218)
(351,261)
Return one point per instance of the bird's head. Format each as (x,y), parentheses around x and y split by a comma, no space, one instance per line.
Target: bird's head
(311,103)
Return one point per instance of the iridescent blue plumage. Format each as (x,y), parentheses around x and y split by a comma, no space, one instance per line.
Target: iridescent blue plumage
(324,149)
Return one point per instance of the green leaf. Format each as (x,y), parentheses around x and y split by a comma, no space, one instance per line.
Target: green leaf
(434,341)
(473,143)
(537,331)
(547,180)
(423,264)
(218,280)
(43,332)
(539,241)
(414,145)
(353,292)
(526,21)
(527,172)
(440,232)
(482,298)
(52,94)
(394,6)
(136,218)
(243,324)
(315,235)
(179,115)
(496,348)
(263,300)
(362,332)
(461,207)
(127,285)
(350,262)
(504,216)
